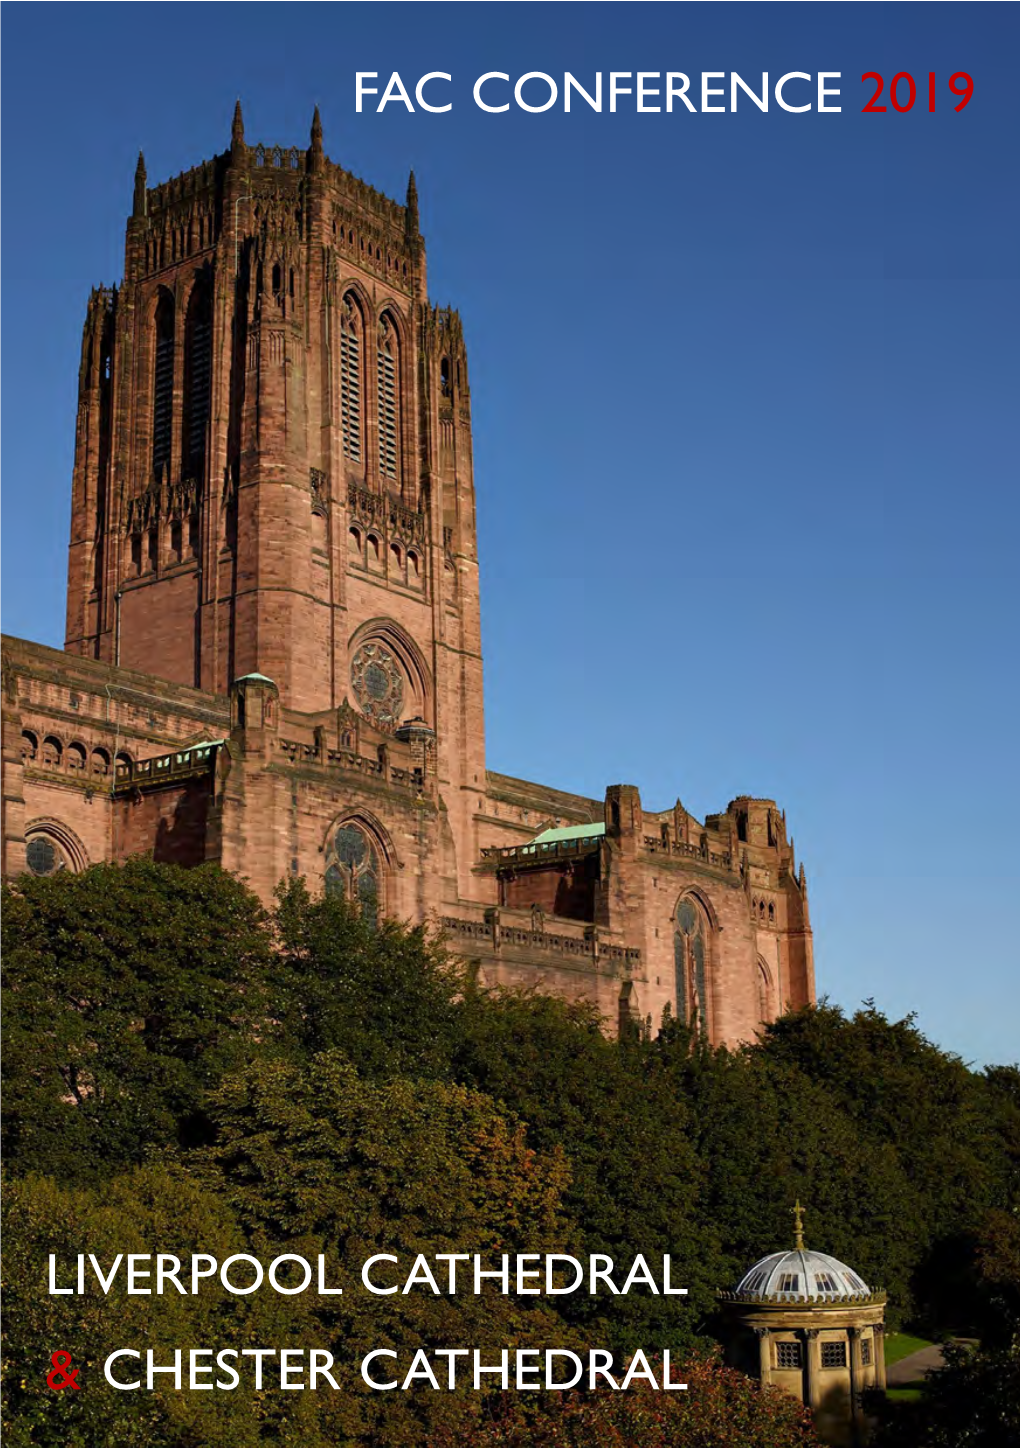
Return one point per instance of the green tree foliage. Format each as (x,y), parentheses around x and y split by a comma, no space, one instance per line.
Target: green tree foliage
(151,1209)
(386,997)
(128,991)
(319,1159)
(972,1402)
(636,1181)
(185,1072)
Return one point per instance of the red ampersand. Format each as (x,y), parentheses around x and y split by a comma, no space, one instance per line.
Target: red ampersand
(60,1378)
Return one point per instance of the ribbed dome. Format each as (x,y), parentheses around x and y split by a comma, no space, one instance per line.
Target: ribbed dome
(799,1275)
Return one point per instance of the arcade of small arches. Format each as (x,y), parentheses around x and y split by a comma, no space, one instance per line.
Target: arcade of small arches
(367,548)
(74,758)
(349,239)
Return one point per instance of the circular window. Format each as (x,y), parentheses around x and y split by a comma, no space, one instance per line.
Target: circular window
(42,856)
(378,684)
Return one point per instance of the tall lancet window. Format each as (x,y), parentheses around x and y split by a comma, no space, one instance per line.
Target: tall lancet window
(199,376)
(163,385)
(352,870)
(689,947)
(389,420)
(350,379)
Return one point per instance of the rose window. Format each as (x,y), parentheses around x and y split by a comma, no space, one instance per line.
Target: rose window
(43,857)
(378,684)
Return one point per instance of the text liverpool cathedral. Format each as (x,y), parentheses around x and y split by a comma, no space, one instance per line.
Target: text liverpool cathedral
(273,653)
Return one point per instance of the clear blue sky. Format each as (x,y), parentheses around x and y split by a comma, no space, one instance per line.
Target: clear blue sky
(745,393)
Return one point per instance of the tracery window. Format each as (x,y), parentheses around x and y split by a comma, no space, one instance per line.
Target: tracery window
(352,870)
(389,451)
(350,379)
(788,1355)
(378,684)
(42,856)
(689,951)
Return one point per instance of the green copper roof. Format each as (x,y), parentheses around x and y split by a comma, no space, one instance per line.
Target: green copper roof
(261,678)
(569,832)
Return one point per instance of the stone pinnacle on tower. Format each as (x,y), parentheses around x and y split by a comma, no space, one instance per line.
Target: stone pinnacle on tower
(315,153)
(237,131)
(411,223)
(141,199)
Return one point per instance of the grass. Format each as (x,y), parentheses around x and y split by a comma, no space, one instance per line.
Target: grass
(899,1345)
(904,1395)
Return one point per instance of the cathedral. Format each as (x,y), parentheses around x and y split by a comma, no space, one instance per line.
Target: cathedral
(273,647)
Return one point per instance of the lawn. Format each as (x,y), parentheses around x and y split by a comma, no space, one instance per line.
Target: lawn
(899,1345)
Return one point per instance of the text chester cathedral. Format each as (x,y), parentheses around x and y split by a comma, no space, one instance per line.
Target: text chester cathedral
(273,651)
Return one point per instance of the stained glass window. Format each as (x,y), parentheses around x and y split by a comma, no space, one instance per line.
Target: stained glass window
(689,951)
(352,870)
(42,856)
(378,684)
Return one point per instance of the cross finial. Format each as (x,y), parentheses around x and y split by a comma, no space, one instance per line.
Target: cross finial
(798,1226)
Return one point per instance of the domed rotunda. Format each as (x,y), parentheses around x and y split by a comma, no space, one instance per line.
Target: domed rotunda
(808,1324)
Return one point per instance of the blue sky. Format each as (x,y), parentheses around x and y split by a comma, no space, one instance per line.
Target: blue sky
(744,393)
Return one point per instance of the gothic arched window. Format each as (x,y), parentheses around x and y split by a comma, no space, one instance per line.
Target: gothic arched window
(163,384)
(766,1007)
(197,386)
(352,870)
(389,400)
(350,379)
(690,947)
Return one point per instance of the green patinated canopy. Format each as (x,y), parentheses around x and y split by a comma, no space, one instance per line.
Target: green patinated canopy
(569,832)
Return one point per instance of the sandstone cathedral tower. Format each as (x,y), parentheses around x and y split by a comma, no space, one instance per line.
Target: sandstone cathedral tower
(273,647)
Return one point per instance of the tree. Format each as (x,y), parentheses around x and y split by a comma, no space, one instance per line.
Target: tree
(313,1158)
(386,996)
(128,991)
(971,1402)
(636,1182)
(152,1209)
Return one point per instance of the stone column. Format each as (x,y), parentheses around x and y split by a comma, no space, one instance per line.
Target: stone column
(856,1373)
(812,1367)
(878,1332)
(764,1336)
